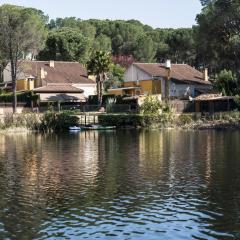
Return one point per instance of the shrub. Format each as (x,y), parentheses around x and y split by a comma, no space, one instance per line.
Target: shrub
(151,105)
(29,120)
(120,120)
(52,121)
(136,120)
(237,101)
(110,104)
(184,119)
(93,100)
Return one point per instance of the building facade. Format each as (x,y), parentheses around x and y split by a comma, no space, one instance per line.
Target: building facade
(35,74)
(151,78)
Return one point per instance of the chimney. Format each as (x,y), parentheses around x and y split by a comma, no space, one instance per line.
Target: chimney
(51,63)
(168,64)
(205,74)
(43,73)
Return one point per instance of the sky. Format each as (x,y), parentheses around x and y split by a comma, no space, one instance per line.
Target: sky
(156,13)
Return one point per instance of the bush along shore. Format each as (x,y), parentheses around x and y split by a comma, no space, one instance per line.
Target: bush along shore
(47,122)
(57,122)
(228,120)
(157,114)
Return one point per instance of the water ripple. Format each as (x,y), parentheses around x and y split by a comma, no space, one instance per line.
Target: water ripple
(120,185)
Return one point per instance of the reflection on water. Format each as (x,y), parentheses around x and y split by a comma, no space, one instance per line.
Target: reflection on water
(120,185)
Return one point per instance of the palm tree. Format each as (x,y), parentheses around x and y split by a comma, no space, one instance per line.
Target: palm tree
(99,65)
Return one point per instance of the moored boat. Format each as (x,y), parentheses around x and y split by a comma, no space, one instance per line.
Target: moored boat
(98,127)
(75,128)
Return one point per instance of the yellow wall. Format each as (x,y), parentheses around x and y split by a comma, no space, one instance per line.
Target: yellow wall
(25,85)
(116,92)
(147,86)
(156,88)
(31,85)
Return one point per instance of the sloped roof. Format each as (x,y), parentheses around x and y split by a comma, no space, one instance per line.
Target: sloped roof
(63,88)
(62,72)
(179,72)
(212,97)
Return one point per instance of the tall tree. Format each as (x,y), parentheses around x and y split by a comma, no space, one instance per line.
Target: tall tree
(102,43)
(181,46)
(21,30)
(217,35)
(114,77)
(66,44)
(145,50)
(99,65)
(227,83)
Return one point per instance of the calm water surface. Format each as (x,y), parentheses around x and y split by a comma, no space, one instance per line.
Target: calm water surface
(120,185)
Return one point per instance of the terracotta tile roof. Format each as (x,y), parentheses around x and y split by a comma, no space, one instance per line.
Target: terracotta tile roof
(179,72)
(61,88)
(62,72)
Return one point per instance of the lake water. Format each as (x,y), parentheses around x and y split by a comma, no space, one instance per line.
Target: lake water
(126,184)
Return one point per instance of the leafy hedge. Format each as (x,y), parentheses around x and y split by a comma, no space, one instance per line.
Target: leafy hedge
(26,97)
(136,120)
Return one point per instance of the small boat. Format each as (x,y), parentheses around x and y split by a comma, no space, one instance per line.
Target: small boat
(98,127)
(75,128)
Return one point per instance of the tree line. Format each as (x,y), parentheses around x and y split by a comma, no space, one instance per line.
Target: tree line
(76,39)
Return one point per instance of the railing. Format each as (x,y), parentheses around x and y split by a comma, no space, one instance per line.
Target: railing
(88,119)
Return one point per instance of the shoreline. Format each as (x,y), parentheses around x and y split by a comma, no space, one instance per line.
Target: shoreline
(218,125)
(15,130)
(209,125)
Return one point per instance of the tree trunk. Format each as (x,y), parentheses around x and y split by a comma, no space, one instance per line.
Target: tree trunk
(14,97)
(14,89)
(1,73)
(100,93)
(99,90)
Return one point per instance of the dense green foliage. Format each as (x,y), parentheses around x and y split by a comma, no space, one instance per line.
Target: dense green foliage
(227,83)
(151,105)
(25,97)
(114,77)
(136,120)
(125,38)
(218,35)
(66,44)
(52,121)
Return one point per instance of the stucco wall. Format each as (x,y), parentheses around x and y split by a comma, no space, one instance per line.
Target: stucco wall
(60,96)
(135,74)
(89,89)
(7,74)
